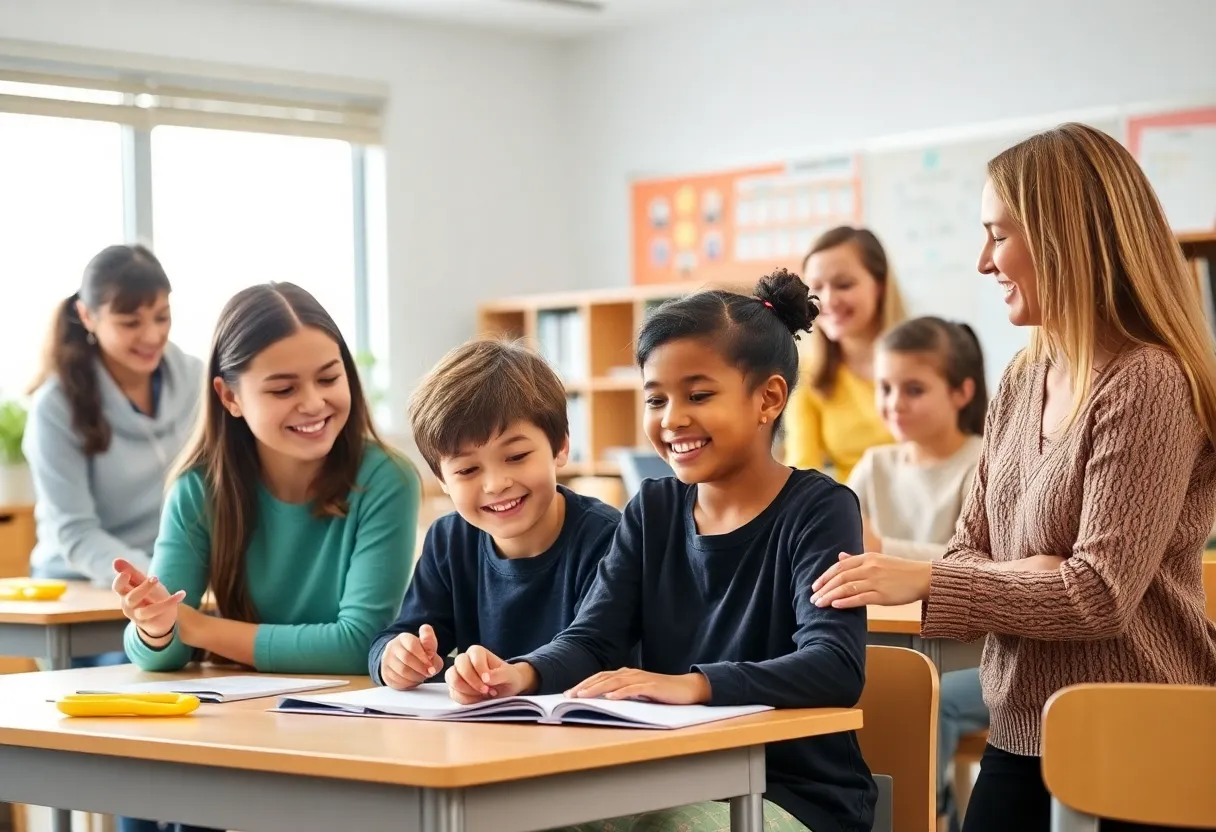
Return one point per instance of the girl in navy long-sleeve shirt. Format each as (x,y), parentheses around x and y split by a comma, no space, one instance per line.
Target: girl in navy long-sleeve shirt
(710,572)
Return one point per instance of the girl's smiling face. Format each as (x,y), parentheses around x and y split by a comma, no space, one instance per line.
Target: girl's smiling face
(294,395)
(702,416)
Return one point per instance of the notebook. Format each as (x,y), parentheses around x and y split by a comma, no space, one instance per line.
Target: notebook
(228,688)
(432,702)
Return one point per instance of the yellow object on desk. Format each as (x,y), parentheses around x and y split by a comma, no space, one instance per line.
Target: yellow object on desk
(31,589)
(128,704)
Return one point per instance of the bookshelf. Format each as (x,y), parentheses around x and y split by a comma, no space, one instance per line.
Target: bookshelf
(588,338)
(1200,252)
(1198,245)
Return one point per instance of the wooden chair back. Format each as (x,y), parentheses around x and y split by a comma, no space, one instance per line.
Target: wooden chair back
(1131,752)
(899,737)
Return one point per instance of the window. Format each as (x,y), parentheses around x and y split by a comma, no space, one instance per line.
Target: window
(230,179)
(61,202)
(233,209)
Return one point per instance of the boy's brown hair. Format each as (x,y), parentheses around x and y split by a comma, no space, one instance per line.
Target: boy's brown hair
(479,389)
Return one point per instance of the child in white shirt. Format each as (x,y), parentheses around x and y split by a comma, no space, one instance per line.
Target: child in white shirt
(929,382)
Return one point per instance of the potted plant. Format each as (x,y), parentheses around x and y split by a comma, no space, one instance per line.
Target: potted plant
(16,487)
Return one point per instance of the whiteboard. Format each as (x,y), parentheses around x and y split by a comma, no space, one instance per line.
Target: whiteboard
(923,202)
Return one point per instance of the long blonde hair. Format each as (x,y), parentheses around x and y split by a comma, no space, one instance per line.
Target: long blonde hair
(823,357)
(1105,259)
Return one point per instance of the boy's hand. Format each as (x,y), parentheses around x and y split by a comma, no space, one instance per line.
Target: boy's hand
(478,674)
(409,660)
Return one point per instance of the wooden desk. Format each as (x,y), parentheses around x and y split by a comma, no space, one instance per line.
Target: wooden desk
(237,766)
(900,627)
(85,621)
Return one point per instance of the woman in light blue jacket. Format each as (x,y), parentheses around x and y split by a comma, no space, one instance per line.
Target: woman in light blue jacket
(113,407)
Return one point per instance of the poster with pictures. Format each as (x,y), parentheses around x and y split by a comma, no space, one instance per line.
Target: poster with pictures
(734,226)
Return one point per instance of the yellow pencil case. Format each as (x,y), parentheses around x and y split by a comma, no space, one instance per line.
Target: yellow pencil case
(128,704)
(30,589)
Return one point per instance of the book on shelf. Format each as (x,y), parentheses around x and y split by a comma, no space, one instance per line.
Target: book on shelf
(561,336)
(433,703)
(576,414)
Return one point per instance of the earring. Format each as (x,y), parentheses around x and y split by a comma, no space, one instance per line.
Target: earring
(764,420)
(91,338)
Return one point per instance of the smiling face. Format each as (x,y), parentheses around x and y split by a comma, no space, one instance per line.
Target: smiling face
(507,487)
(294,395)
(849,296)
(131,341)
(914,398)
(702,416)
(1006,257)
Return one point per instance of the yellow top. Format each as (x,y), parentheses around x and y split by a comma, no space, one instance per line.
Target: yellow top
(835,429)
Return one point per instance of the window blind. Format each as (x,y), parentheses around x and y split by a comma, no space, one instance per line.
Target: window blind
(146,98)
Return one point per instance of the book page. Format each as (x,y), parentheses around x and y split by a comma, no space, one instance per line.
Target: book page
(428,701)
(652,714)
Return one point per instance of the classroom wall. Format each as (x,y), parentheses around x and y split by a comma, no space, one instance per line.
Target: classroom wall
(765,81)
(473,139)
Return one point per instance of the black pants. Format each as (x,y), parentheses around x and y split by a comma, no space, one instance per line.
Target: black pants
(1010,796)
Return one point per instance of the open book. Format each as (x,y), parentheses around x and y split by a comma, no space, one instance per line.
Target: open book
(227,688)
(432,702)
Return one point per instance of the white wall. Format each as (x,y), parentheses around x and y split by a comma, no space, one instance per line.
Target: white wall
(771,79)
(473,139)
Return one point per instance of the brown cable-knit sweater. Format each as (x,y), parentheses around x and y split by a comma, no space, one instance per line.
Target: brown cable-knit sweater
(1127,494)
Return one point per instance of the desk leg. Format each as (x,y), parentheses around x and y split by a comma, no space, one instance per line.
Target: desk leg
(59,652)
(442,810)
(59,646)
(747,813)
(1065,819)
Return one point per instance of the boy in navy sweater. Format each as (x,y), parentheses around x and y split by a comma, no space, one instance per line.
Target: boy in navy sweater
(509,568)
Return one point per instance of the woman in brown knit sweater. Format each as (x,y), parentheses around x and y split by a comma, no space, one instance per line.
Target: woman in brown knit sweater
(1078,552)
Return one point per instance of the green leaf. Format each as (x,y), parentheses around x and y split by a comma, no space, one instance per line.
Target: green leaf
(12,429)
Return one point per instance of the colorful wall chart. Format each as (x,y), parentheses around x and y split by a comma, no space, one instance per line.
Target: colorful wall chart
(734,226)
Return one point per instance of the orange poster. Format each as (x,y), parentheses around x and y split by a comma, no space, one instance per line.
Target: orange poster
(734,226)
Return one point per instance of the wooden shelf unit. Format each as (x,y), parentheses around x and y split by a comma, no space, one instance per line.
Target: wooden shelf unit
(1198,245)
(605,377)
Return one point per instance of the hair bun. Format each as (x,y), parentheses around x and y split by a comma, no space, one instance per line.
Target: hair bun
(790,300)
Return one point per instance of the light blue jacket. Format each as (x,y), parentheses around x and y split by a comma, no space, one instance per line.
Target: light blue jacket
(92,510)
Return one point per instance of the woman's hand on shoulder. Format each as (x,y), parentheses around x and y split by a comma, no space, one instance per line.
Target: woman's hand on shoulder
(872,578)
(146,602)
(477,675)
(628,683)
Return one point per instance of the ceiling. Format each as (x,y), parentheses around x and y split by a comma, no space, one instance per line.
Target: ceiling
(554,18)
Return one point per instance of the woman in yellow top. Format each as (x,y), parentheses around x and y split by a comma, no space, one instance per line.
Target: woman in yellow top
(832,419)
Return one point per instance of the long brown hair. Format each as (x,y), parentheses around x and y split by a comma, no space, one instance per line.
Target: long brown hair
(125,278)
(224,450)
(1106,261)
(824,356)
